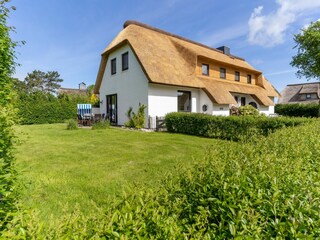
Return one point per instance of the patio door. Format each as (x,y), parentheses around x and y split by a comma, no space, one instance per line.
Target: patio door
(112,113)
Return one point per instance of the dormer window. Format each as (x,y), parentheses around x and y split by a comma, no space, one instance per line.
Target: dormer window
(223,73)
(308,96)
(249,79)
(205,69)
(237,76)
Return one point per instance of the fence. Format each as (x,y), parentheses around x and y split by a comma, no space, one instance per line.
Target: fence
(156,123)
(84,109)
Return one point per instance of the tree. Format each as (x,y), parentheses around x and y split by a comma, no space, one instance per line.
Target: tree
(307,59)
(45,82)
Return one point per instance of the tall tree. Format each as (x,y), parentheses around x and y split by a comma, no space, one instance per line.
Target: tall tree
(52,81)
(307,59)
(48,82)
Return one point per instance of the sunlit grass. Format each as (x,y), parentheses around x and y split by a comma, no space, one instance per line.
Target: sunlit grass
(61,170)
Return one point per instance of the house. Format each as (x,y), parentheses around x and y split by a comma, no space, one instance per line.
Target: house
(169,73)
(82,90)
(301,93)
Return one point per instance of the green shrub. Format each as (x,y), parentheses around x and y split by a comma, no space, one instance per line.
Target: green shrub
(298,110)
(266,190)
(103,124)
(136,120)
(231,128)
(248,110)
(40,108)
(72,124)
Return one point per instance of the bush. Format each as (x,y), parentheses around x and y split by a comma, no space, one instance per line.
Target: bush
(248,110)
(103,124)
(72,124)
(230,128)
(136,120)
(266,190)
(298,110)
(40,108)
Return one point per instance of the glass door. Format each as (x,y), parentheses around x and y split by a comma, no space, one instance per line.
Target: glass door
(112,113)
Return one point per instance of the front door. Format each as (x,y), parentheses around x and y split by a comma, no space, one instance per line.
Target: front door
(112,113)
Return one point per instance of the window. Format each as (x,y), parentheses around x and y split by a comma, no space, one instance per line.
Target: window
(243,101)
(125,61)
(236,98)
(205,69)
(236,76)
(113,66)
(184,101)
(223,73)
(253,104)
(249,80)
(308,96)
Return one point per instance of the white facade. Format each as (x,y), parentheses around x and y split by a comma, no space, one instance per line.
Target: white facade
(131,85)
(132,89)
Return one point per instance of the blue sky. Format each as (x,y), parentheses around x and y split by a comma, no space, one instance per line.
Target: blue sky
(68,36)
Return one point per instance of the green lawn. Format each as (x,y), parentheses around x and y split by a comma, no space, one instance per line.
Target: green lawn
(61,169)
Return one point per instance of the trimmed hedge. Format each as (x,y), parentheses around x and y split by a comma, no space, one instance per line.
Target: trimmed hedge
(266,190)
(40,108)
(230,128)
(298,110)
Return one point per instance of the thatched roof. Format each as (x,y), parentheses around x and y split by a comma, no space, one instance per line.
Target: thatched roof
(72,91)
(170,59)
(292,92)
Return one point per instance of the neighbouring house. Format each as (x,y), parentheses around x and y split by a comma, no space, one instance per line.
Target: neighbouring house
(301,93)
(82,90)
(169,73)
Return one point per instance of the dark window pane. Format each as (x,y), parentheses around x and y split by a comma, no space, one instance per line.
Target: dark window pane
(249,80)
(243,101)
(125,61)
(113,66)
(222,73)
(237,76)
(184,101)
(205,69)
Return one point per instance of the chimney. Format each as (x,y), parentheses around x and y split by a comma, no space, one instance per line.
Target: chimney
(224,49)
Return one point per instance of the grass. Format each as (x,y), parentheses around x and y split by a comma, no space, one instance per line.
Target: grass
(62,170)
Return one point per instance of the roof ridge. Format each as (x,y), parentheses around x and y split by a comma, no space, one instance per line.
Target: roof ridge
(133,22)
(297,84)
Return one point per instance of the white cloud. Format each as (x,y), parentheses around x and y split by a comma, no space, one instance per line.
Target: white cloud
(269,30)
(226,34)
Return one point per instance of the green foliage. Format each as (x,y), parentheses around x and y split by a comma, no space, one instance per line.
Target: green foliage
(136,120)
(248,110)
(266,190)
(232,128)
(72,124)
(40,107)
(48,82)
(307,59)
(298,110)
(7,116)
(103,124)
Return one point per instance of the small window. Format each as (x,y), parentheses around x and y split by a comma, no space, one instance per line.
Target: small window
(205,69)
(308,96)
(125,61)
(223,73)
(253,104)
(249,79)
(113,66)
(184,101)
(236,76)
(243,101)
(236,98)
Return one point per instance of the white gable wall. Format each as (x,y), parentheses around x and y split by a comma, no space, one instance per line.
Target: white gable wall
(131,85)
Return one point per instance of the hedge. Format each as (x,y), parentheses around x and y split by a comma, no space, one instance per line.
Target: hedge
(265,189)
(230,128)
(298,110)
(40,108)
